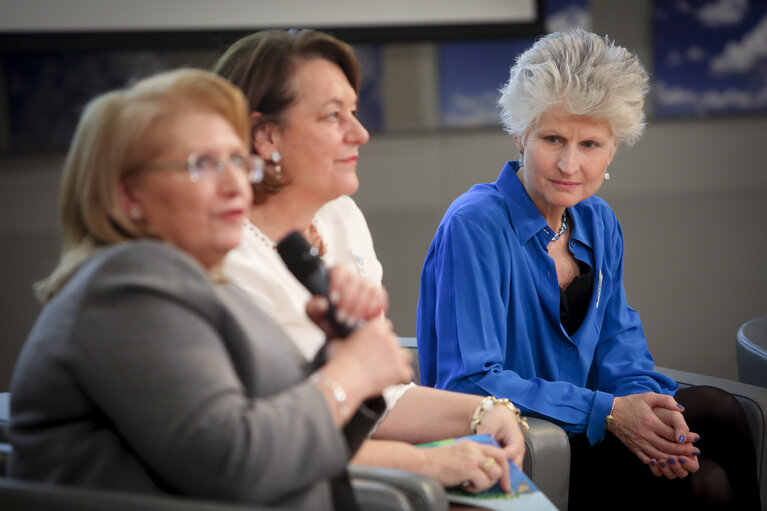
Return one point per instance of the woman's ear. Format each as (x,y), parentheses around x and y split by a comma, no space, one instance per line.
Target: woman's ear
(128,204)
(519,145)
(615,150)
(264,135)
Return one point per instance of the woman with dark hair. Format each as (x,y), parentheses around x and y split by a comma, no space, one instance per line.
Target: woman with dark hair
(302,90)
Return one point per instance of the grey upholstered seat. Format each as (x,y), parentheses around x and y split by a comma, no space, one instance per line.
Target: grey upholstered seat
(751,351)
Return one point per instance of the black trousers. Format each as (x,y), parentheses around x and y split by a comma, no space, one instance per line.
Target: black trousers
(609,476)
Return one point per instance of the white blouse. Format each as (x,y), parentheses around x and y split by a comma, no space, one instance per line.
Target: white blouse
(256,267)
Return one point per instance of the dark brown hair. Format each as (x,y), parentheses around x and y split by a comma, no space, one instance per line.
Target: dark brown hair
(262,65)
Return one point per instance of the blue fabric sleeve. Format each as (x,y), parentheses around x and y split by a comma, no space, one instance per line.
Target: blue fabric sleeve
(622,363)
(472,277)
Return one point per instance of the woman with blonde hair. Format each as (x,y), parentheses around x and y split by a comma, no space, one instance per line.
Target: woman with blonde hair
(147,371)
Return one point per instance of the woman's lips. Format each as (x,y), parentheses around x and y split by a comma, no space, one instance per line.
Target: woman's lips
(234,214)
(350,160)
(565,185)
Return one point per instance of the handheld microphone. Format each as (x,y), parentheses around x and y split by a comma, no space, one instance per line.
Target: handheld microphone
(304,263)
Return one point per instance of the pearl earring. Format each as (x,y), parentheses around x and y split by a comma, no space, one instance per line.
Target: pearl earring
(135,213)
(276,158)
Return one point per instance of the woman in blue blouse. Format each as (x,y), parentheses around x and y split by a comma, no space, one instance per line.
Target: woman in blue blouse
(522,296)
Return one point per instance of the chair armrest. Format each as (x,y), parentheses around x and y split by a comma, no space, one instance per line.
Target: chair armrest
(423,492)
(753,399)
(377,496)
(547,460)
(5,415)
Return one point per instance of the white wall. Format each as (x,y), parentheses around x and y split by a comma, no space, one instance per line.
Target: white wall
(55,15)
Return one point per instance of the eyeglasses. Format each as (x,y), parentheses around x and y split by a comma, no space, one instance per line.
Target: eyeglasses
(203,166)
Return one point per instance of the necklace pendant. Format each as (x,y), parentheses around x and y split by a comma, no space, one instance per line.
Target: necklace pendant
(562,229)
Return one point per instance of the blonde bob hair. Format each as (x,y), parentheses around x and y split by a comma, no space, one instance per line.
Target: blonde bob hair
(118,133)
(585,73)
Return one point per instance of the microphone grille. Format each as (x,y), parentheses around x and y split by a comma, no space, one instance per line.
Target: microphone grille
(299,256)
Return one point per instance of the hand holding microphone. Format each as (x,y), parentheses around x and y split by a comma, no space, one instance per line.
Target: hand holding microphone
(371,355)
(350,299)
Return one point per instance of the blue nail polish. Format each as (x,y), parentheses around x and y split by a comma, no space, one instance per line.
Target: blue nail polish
(681,439)
(697,438)
(696,453)
(680,406)
(652,463)
(662,464)
(672,461)
(682,461)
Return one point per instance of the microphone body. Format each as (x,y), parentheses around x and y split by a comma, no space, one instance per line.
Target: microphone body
(304,263)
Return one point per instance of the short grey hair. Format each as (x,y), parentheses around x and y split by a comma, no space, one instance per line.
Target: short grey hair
(585,73)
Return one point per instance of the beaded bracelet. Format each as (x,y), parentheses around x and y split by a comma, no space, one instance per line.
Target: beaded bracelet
(488,403)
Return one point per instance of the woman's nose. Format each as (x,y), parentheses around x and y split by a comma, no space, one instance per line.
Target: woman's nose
(357,133)
(234,181)
(569,161)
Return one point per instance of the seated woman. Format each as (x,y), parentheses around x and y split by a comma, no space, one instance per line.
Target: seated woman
(302,90)
(522,297)
(146,370)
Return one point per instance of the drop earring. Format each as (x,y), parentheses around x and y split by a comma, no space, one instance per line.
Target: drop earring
(256,174)
(276,158)
(607,176)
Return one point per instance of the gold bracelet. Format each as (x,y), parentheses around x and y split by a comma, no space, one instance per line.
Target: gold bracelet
(610,419)
(488,403)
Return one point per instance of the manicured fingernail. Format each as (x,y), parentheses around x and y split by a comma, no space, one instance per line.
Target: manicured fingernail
(341,316)
(680,406)
(672,461)
(696,453)
(682,461)
(662,464)
(697,438)
(652,463)
(351,322)
(681,439)
(334,297)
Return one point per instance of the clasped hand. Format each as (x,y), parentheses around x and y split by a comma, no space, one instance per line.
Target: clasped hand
(502,424)
(371,356)
(653,428)
(467,460)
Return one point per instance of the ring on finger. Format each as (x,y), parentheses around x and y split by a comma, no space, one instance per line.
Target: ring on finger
(487,464)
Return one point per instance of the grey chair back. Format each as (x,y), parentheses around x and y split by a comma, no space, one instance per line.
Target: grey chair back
(411,343)
(751,352)
(5,417)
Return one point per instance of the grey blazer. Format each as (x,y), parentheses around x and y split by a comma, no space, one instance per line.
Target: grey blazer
(143,375)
